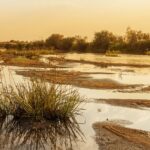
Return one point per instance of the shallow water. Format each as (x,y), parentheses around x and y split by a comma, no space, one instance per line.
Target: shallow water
(127,59)
(95,112)
(126,75)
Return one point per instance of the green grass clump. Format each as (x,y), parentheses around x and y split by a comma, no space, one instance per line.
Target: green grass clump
(6,104)
(39,100)
(147,52)
(112,53)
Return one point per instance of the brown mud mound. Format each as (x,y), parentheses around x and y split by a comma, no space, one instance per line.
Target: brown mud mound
(78,79)
(133,103)
(146,89)
(110,136)
(120,122)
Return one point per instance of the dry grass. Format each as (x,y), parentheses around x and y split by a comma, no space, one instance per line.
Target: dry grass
(26,62)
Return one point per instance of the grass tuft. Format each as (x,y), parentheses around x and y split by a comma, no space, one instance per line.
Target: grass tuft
(40,100)
(112,53)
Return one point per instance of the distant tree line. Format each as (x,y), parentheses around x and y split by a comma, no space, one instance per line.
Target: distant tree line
(133,42)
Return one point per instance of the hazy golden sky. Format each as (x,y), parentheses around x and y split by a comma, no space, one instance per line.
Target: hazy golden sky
(37,19)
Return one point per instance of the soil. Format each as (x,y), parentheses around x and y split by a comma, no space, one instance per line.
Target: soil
(78,79)
(110,136)
(132,103)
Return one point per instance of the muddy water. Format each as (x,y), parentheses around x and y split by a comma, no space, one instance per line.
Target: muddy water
(94,112)
(127,75)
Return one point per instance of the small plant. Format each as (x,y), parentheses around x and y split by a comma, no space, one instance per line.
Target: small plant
(147,52)
(39,100)
(6,105)
(112,53)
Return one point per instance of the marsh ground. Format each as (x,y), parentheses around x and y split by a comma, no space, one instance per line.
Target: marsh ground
(121,88)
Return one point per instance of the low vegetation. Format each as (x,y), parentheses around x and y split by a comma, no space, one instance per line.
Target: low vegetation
(25,62)
(25,53)
(39,100)
(112,53)
(30,58)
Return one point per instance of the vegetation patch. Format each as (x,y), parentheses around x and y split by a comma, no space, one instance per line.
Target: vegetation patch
(25,53)
(39,100)
(112,53)
(26,62)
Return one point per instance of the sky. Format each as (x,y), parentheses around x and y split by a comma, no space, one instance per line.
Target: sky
(38,19)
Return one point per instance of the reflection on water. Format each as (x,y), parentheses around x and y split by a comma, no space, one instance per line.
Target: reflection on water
(41,135)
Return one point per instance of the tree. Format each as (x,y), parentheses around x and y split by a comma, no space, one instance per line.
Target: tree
(102,41)
(67,43)
(54,41)
(137,41)
(81,45)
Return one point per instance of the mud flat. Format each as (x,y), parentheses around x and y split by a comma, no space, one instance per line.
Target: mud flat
(77,79)
(98,112)
(133,103)
(110,136)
